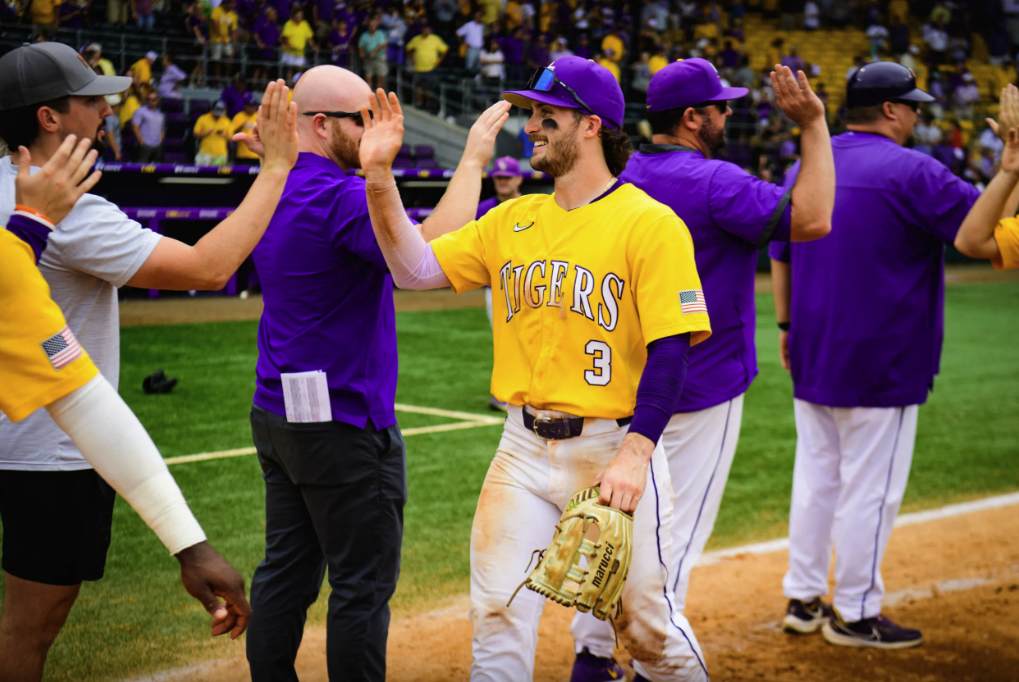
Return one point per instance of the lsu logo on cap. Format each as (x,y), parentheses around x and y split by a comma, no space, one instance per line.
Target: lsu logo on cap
(501,164)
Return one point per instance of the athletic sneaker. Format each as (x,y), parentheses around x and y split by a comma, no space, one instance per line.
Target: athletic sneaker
(876,633)
(590,668)
(804,618)
(496,405)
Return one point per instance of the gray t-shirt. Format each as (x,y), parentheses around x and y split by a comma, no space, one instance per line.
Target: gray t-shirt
(92,251)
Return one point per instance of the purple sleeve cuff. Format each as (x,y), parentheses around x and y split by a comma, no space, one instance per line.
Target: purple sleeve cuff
(661,384)
(32,232)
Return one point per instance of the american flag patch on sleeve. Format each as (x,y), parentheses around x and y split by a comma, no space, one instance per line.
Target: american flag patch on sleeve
(692,301)
(62,348)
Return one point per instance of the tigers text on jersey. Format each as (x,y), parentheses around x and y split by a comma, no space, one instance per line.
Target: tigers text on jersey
(578,295)
(40,359)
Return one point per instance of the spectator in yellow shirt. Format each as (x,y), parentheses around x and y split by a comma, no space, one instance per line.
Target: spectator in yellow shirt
(490,10)
(991,231)
(898,12)
(426,52)
(295,38)
(44,12)
(607,59)
(613,43)
(513,14)
(214,130)
(658,60)
(222,34)
(244,122)
(141,70)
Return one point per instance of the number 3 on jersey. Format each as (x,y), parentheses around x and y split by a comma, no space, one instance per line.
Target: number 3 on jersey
(601,375)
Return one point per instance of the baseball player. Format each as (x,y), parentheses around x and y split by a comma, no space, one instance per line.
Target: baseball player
(865,309)
(507,178)
(596,307)
(730,215)
(43,365)
(46,93)
(991,230)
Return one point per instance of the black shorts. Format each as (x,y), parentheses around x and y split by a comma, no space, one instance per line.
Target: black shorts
(56,525)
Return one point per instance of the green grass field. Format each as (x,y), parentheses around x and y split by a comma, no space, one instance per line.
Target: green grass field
(138,619)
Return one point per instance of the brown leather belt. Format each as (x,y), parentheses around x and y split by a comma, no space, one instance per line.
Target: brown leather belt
(548,428)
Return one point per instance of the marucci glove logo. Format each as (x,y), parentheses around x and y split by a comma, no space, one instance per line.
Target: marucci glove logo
(520,228)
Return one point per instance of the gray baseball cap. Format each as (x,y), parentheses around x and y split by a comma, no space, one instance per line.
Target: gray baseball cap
(45,71)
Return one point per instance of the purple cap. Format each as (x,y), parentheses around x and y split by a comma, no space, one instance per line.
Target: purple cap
(594,84)
(686,83)
(506,167)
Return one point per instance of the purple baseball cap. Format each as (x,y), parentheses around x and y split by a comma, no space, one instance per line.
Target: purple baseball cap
(506,167)
(686,83)
(594,89)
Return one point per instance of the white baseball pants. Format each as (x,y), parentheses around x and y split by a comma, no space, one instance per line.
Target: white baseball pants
(852,465)
(524,494)
(699,447)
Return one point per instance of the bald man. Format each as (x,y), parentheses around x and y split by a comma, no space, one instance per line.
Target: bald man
(323,418)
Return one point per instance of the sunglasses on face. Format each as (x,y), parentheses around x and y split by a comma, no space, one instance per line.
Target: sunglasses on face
(915,106)
(543,80)
(355,115)
(722,106)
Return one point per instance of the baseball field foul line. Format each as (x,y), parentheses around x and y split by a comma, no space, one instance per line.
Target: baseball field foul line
(469,421)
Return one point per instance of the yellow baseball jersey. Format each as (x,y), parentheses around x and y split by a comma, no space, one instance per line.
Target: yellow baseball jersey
(40,360)
(1006,234)
(578,295)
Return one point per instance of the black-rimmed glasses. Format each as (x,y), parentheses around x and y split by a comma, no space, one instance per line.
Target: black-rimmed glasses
(912,104)
(355,115)
(544,78)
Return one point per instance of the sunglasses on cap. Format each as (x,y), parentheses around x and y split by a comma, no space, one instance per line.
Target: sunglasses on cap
(355,115)
(543,80)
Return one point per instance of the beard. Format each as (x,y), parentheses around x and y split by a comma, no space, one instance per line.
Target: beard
(344,148)
(560,155)
(712,136)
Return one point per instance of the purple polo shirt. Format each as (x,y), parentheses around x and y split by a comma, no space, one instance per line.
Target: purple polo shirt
(730,214)
(868,300)
(150,125)
(328,296)
(486,206)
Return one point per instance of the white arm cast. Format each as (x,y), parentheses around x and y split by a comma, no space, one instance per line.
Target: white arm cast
(410,259)
(116,444)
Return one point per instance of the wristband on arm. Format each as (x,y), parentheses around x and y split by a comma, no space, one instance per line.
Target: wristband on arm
(784,326)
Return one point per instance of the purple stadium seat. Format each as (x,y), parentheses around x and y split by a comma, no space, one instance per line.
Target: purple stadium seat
(174,157)
(173,144)
(172,105)
(427,163)
(405,151)
(175,117)
(199,107)
(424,151)
(403,162)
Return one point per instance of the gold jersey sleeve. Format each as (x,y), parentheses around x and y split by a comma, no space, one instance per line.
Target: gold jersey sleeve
(578,295)
(1006,234)
(40,359)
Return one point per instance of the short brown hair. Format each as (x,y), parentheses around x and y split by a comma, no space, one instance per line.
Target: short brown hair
(861,115)
(615,145)
(20,127)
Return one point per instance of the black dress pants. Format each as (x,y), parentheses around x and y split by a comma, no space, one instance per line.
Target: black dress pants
(334,497)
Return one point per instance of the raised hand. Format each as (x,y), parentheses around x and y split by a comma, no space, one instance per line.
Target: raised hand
(276,127)
(481,139)
(59,184)
(207,576)
(794,96)
(383,132)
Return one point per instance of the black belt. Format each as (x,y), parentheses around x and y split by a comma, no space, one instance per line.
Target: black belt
(559,429)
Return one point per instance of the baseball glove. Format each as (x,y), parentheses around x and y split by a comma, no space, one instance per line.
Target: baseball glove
(559,576)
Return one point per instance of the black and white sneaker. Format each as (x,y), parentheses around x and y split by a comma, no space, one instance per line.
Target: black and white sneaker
(804,618)
(875,633)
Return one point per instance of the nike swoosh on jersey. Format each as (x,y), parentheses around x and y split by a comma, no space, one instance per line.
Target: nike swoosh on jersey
(520,228)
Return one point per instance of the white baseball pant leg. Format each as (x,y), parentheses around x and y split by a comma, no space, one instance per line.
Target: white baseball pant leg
(526,489)
(852,466)
(700,447)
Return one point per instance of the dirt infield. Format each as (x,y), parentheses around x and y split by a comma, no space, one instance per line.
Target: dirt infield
(957,579)
(177,310)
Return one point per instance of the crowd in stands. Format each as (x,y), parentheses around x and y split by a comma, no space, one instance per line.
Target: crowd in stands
(500,42)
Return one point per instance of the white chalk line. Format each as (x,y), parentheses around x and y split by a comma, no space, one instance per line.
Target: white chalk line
(469,421)
(952,510)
